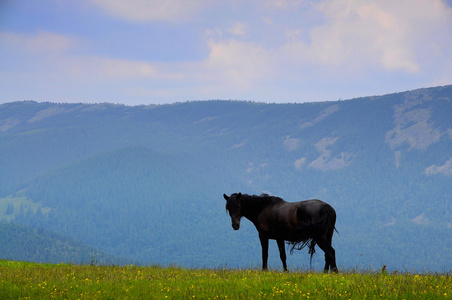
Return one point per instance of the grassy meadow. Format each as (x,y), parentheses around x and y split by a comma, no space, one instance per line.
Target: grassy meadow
(22,280)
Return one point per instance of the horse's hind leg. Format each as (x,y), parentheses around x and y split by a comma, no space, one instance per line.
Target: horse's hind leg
(329,238)
(330,255)
(282,253)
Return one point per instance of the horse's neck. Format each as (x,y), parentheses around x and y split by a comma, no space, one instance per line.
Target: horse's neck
(252,207)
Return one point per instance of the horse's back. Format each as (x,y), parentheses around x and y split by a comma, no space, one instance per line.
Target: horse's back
(310,210)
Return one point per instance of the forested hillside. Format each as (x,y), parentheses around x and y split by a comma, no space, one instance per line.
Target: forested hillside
(146,182)
(26,243)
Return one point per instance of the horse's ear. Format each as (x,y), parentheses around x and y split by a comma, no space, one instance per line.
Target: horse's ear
(225,197)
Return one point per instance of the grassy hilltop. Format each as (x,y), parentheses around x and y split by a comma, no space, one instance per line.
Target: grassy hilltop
(22,280)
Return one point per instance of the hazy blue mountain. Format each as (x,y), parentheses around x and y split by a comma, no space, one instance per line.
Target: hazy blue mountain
(25,243)
(146,182)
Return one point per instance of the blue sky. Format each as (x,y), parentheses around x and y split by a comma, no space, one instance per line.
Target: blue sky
(164,51)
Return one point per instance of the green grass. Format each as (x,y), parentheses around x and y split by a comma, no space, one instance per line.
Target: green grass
(21,280)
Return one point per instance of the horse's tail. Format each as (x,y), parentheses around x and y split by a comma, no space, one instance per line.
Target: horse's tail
(324,227)
(327,220)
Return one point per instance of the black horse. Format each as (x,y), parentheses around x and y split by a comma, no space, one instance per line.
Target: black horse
(304,223)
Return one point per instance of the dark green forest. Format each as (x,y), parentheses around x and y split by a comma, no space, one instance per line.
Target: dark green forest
(145,183)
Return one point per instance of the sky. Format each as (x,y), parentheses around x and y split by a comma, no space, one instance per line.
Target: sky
(138,52)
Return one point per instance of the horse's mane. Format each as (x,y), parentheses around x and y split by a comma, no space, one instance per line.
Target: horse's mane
(255,201)
(263,199)
(254,204)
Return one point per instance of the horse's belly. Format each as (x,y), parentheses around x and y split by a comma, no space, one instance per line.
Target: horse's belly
(278,234)
(290,233)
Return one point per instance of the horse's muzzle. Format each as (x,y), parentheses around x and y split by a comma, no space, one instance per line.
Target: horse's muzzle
(236,226)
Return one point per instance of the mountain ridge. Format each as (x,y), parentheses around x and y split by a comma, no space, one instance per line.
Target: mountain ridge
(383,162)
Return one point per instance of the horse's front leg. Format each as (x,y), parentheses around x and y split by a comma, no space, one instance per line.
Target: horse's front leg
(282,253)
(264,244)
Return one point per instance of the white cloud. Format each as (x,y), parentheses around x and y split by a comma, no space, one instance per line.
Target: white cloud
(443,74)
(118,68)
(58,49)
(385,34)
(237,64)
(230,68)
(283,50)
(238,29)
(125,72)
(153,10)
(282,4)
(127,69)
(362,31)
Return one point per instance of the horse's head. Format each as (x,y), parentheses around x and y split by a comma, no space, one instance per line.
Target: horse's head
(234,209)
